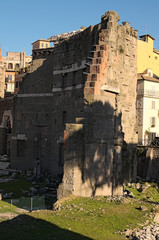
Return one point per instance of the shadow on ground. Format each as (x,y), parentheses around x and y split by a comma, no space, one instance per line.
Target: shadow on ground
(26,227)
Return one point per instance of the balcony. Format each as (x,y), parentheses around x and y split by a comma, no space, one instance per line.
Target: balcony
(148,93)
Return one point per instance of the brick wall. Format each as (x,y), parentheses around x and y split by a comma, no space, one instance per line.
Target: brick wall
(85,87)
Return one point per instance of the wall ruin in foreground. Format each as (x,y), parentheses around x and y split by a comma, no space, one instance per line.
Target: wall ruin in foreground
(75,114)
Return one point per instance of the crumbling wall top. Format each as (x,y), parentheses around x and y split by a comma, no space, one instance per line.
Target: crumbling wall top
(110,16)
(62,37)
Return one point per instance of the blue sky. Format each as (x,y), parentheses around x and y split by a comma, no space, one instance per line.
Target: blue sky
(23,22)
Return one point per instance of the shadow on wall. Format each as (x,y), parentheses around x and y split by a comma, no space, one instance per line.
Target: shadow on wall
(97,160)
(26,227)
(148,163)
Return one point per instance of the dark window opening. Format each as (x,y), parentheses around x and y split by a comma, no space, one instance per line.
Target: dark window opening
(10,66)
(16,84)
(8,126)
(17,66)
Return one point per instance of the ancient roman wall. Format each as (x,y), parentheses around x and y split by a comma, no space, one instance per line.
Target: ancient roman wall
(76,110)
(51,95)
(107,158)
(6,123)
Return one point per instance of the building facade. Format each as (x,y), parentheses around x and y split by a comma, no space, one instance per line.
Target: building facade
(147,107)
(147,90)
(41,43)
(9,67)
(147,55)
(12,63)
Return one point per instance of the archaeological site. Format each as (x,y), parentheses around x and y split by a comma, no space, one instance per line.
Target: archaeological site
(75,114)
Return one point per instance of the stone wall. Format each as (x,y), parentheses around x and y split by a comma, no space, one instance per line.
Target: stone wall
(76,110)
(6,123)
(110,116)
(148,164)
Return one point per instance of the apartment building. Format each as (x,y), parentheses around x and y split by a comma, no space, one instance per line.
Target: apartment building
(148,107)
(147,90)
(12,63)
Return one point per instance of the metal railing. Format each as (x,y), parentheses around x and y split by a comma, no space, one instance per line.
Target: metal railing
(149,93)
(144,142)
(32,203)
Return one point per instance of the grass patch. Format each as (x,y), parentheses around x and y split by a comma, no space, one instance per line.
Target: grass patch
(16,186)
(29,203)
(150,193)
(6,207)
(79,218)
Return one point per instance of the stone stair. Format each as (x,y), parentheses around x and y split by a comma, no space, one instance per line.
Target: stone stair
(96,70)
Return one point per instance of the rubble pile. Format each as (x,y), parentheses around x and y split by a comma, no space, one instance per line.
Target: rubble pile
(147,233)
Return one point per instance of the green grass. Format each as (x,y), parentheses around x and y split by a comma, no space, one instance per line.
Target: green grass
(6,207)
(16,186)
(37,202)
(151,193)
(78,219)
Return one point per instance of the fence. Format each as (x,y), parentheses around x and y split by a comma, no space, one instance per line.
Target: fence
(32,203)
(144,142)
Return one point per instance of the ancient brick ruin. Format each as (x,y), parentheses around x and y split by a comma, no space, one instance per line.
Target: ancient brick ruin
(75,115)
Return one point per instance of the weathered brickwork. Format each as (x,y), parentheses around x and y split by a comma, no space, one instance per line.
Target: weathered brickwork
(76,110)
(6,122)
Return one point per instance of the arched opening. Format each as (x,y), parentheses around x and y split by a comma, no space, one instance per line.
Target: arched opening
(5,132)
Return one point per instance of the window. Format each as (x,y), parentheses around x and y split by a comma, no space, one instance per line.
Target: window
(17,66)
(8,125)
(149,74)
(46,45)
(155,58)
(10,77)
(42,45)
(153,104)
(153,90)
(10,66)
(152,121)
(16,84)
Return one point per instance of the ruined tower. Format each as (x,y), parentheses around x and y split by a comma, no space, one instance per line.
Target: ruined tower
(76,111)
